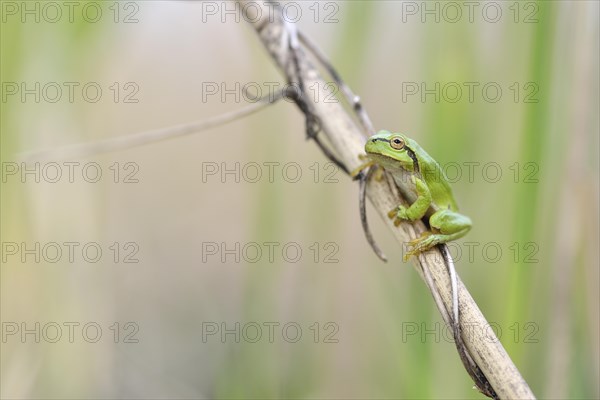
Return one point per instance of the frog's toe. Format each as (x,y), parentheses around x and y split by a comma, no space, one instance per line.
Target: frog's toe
(378,176)
(417,242)
(424,243)
(411,251)
(392,213)
(421,244)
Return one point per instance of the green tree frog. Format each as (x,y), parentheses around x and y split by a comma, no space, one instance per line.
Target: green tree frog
(401,157)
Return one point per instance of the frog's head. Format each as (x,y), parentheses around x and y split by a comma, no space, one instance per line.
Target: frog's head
(391,150)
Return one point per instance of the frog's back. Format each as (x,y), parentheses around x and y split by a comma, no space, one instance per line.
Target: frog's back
(436,180)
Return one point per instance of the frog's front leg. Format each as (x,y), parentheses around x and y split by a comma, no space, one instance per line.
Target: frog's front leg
(366,164)
(417,209)
(446,225)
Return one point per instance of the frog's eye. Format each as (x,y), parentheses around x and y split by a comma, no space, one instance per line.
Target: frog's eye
(397,143)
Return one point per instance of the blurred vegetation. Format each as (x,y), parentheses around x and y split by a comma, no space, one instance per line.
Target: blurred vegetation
(541,295)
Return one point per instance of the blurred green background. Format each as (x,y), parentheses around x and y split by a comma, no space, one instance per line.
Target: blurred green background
(368,329)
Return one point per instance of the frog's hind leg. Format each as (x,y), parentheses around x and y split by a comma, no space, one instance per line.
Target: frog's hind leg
(446,226)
